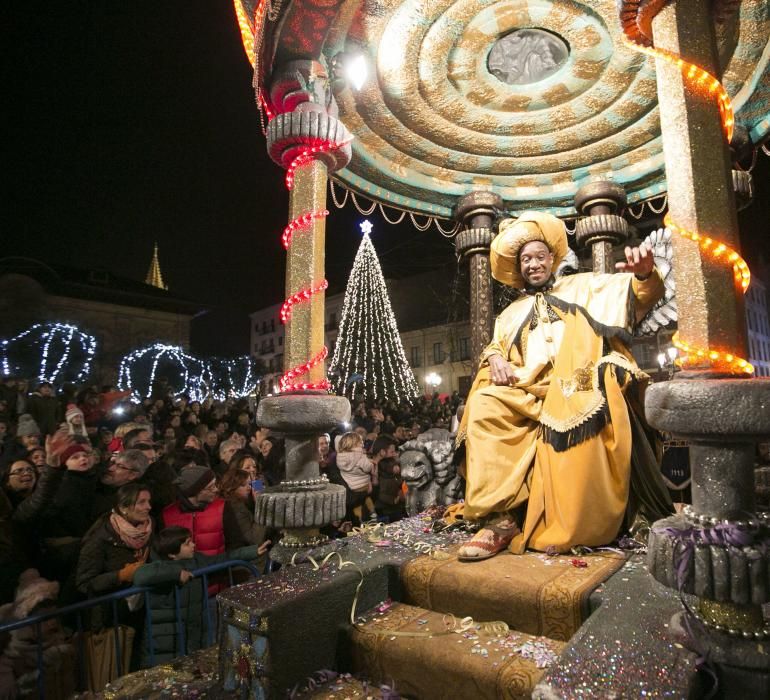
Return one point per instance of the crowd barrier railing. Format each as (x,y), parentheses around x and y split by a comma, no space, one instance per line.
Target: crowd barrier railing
(112,599)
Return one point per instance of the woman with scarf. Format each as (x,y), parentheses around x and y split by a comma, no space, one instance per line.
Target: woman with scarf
(117,544)
(113,549)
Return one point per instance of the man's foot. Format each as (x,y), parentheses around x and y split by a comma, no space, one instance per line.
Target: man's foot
(494,537)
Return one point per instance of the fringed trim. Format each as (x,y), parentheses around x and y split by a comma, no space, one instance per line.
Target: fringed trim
(590,427)
(575,421)
(594,420)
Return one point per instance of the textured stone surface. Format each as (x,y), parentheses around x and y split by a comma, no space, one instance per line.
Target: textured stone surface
(303,413)
(726,574)
(278,507)
(699,179)
(738,408)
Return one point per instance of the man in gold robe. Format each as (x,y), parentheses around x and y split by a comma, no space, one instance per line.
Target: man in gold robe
(549,423)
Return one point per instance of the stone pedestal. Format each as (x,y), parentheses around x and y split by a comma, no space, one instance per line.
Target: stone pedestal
(476,211)
(305,501)
(717,550)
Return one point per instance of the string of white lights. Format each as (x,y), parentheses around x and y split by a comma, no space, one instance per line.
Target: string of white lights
(220,378)
(66,353)
(368,342)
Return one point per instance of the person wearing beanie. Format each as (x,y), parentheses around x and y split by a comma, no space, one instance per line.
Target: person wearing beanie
(19,660)
(27,437)
(68,517)
(27,427)
(74,422)
(199,509)
(44,408)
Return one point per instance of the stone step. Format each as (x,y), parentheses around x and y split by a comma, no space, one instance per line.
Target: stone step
(532,592)
(410,649)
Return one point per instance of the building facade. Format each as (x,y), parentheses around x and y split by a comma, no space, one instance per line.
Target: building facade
(758,327)
(122,314)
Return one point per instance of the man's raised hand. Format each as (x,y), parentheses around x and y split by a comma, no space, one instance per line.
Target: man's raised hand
(638,260)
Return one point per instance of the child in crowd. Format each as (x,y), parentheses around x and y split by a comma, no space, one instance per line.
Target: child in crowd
(390,496)
(175,562)
(357,471)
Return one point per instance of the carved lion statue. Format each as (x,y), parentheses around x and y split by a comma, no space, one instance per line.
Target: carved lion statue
(427,469)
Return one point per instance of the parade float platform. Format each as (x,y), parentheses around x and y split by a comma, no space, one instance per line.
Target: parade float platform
(592,624)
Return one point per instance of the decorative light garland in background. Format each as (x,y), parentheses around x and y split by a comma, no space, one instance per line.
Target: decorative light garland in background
(368,342)
(67,337)
(198,378)
(704,82)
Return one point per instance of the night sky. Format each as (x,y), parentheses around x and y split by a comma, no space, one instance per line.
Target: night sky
(130,122)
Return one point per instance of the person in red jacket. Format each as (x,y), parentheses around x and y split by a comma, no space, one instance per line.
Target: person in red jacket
(199,509)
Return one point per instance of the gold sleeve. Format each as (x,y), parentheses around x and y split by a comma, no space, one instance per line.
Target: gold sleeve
(495,347)
(647,292)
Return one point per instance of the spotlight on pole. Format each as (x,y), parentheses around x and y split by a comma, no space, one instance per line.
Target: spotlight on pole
(352,68)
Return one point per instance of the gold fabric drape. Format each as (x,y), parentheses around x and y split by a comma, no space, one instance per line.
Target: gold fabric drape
(558,440)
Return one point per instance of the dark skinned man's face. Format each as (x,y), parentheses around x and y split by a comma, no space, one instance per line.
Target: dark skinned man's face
(535,263)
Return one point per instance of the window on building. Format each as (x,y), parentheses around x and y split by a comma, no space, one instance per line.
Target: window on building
(465,349)
(414,356)
(438,354)
(280,341)
(264,327)
(272,325)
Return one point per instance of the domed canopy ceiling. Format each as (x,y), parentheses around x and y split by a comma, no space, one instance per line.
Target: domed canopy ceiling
(527,98)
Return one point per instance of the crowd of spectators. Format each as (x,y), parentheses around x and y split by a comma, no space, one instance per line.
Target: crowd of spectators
(92,484)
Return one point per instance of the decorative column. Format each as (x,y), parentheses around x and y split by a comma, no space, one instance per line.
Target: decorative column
(476,211)
(716,550)
(307,139)
(602,228)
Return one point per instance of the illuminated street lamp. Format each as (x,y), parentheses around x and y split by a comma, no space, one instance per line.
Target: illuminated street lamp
(433,380)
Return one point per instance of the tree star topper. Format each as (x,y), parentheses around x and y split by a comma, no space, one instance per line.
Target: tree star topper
(366,226)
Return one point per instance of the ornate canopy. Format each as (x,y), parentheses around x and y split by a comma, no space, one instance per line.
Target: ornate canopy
(529,99)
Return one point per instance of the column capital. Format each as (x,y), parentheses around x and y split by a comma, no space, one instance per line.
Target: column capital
(318,135)
(480,203)
(473,240)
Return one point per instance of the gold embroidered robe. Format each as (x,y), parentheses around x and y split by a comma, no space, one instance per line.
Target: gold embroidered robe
(558,440)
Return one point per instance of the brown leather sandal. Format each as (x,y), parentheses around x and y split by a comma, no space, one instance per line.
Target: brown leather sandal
(493,538)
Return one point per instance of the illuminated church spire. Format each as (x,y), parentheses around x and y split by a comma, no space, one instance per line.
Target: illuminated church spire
(154,276)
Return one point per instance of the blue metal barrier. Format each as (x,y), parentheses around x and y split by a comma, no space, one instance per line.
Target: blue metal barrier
(112,599)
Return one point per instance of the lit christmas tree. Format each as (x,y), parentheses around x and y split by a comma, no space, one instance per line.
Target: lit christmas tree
(369,360)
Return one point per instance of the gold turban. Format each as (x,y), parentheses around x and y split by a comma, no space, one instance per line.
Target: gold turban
(515,233)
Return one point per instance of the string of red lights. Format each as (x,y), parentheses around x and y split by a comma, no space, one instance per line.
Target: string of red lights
(304,221)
